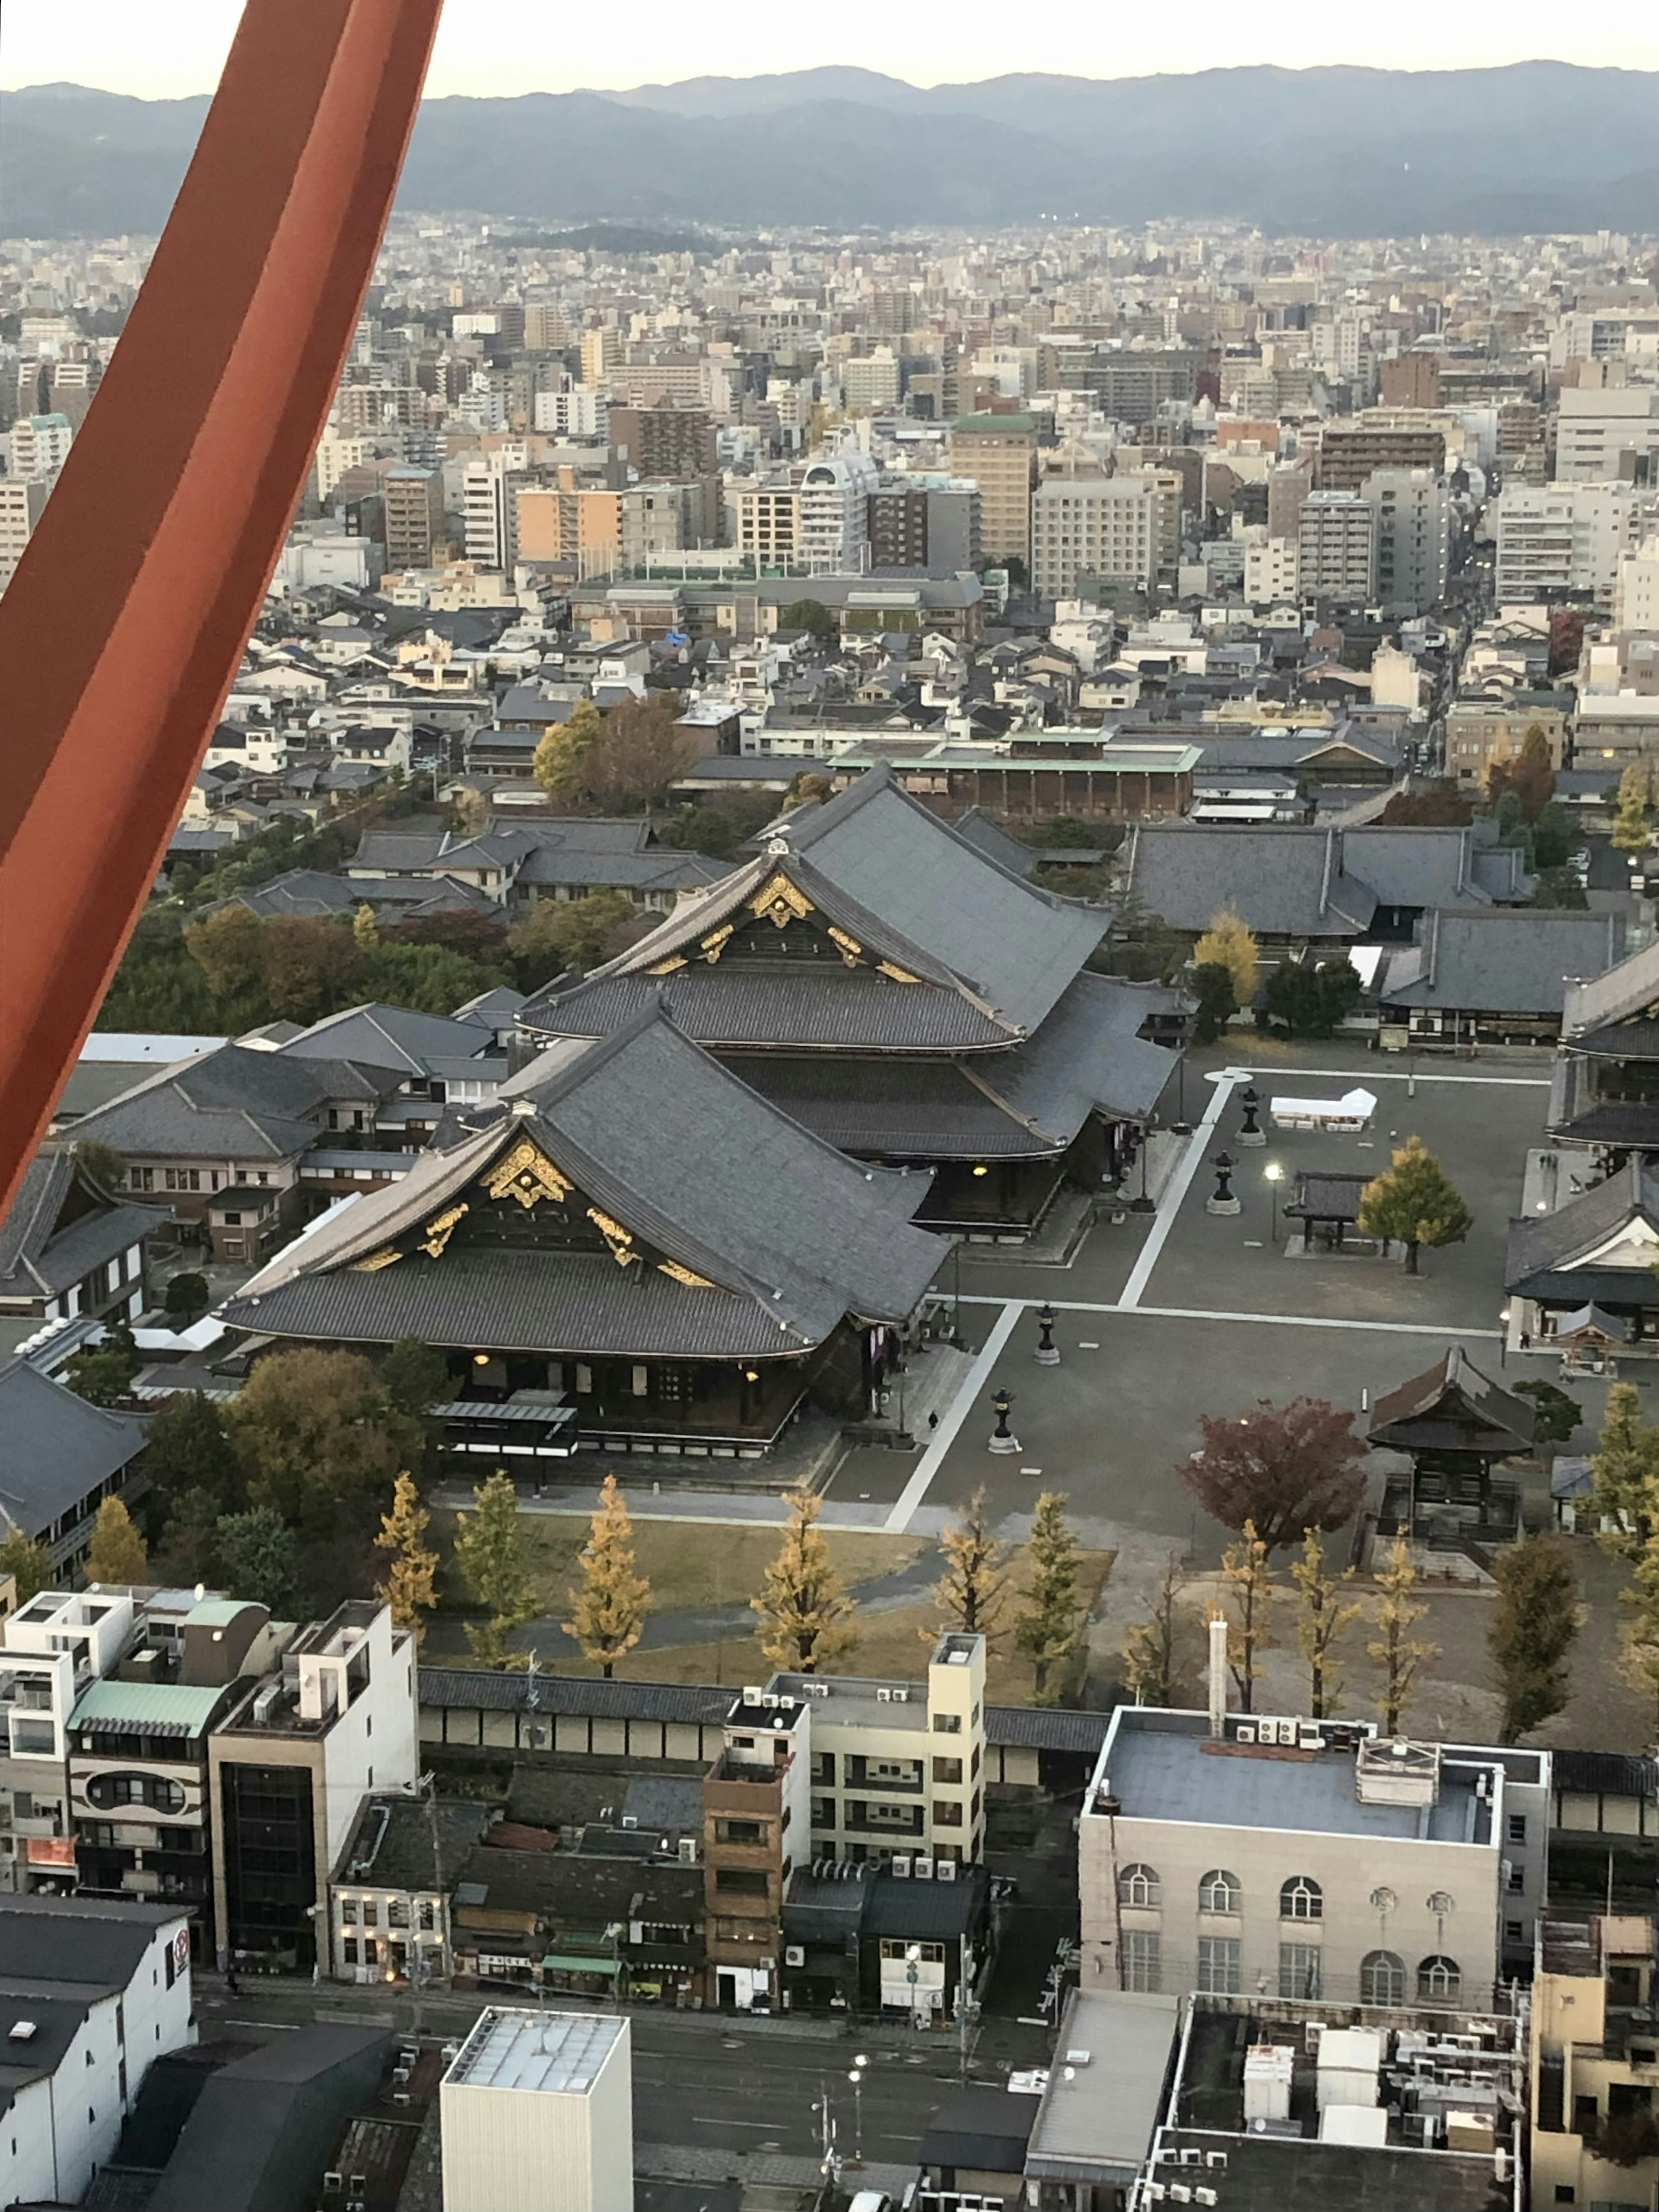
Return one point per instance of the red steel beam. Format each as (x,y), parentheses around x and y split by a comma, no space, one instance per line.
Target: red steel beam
(124,626)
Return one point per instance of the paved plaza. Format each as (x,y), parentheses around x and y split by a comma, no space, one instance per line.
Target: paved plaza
(1187,1313)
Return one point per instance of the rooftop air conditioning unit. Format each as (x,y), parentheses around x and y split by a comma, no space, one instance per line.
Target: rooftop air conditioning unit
(752,1693)
(1310,1739)
(400,2075)
(401,2097)
(1245,1732)
(794,1954)
(923,1869)
(883,1696)
(899,1864)
(687,1851)
(1179,2193)
(945,1870)
(630,1819)
(1205,2197)
(334,2181)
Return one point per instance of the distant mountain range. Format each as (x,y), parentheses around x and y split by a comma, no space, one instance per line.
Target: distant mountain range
(1337,152)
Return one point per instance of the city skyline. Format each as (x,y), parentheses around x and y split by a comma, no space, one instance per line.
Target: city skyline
(110,48)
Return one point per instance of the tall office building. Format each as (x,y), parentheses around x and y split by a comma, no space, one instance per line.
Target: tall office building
(1604,437)
(414,516)
(1116,528)
(1567,539)
(998,451)
(602,353)
(22,504)
(1336,548)
(1414,539)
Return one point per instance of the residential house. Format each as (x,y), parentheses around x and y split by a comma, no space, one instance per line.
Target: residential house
(389,1899)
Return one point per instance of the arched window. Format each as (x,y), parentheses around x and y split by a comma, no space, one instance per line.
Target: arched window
(1140,1886)
(1301,1899)
(1439,1981)
(1220,1892)
(1382,1979)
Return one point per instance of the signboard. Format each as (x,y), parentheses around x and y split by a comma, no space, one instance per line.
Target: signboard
(55,1851)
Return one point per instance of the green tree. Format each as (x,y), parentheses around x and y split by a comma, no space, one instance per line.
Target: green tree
(230,949)
(1152,1647)
(101,1164)
(1246,1570)
(1561,889)
(118,1554)
(415,1377)
(28,1561)
(1050,1625)
(609,1603)
(1532,1633)
(1213,988)
(1413,1203)
(558,935)
(188,1550)
(1441,806)
(1625,1471)
(490,1561)
(187,1299)
(1311,1001)
(189,1448)
(315,1431)
(1553,837)
(1399,1656)
(1557,1414)
(409,1586)
(1322,1621)
(256,1558)
(561,761)
(1632,822)
(1227,943)
(311,966)
(813,616)
(103,1373)
(971,1591)
(805,1610)
(431,979)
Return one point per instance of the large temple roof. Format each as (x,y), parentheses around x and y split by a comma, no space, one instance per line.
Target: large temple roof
(706,1224)
(940,948)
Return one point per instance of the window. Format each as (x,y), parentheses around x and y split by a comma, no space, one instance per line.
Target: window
(1438,1981)
(1298,1970)
(1514,1932)
(896,1948)
(1143,1968)
(1140,1886)
(740,1881)
(1220,1892)
(1218,1967)
(371,1913)
(947,1770)
(1382,1979)
(946,1813)
(1565,2193)
(349,1950)
(348,1912)
(947,1723)
(1516,1879)
(1301,1899)
(740,1832)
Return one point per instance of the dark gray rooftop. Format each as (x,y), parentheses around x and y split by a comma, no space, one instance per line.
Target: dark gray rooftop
(234,1102)
(61,1226)
(389,1036)
(1159,1774)
(1281,881)
(55,1447)
(1515,960)
(91,1942)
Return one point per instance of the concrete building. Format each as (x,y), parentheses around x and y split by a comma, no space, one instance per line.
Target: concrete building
(289,1765)
(835,514)
(1635,588)
(1272,570)
(998,451)
(40,444)
(1414,539)
(536,2112)
(1116,528)
(1606,435)
(1479,732)
(56,1648)
(91,1994)
(390,1897)
(575,411)
(1317,1860)
(1349,452)
(489,515)
(870,380)
(1566,540)
(23,502)
(413,517)
(1594,2056)
(1336,549)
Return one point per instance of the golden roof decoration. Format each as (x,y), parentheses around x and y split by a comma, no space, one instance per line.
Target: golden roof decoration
(525,1173)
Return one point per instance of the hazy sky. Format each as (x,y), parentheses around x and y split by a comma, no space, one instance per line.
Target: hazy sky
(505,46)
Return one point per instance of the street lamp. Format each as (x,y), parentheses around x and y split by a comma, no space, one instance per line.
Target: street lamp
(913,1975)
(1504,1338)
(856,2077)
(1275,1175)
(1048,1352)
(1003,1439)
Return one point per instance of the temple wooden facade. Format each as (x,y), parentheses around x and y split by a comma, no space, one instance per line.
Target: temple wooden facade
(631,1250)
(1454,1423)
(897,992)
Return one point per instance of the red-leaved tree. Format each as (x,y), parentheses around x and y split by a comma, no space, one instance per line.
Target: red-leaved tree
(1286,1468)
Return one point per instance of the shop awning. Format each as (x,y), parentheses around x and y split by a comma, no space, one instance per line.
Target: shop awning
(563,1962)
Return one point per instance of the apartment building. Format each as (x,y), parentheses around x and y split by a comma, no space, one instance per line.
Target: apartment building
(1272,574)
(1635,588)
(1116,528)
(1595,2062)
(413,517)
(998,451)
(289,1766)
(816,518)
(1349,452)
(1481,731)
(1336,548)
(1232,1853)
(1566,540)
(571,410)
(55,1648)
(1606,435)
(1414,539)
(40,444)
(23,502)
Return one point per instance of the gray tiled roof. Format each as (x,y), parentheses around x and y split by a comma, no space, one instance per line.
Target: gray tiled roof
(1510,960)
(845,1007)
(1630,987)
(54,1447)
(387,1036)
(1558,1244)
(235,1102)
(795,1236)
(1280,882)
(38,1258)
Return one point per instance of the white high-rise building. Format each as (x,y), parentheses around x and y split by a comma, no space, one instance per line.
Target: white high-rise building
(1414,539)
(1271,568)
(1603,435)
(835,513)
(1108,527)
(1635,588)
(40,444)
(1568,537)
(22,501)
(1336,548)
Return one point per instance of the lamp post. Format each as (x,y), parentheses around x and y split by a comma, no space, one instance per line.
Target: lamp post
(1223,1199)
(1274,1175)
(913,1975)
(1249,1100)
(1003,1439)
(1504,1338)
(856,2077)
(1048,1352)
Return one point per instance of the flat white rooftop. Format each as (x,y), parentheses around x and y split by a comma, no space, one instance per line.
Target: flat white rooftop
(561,2052)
